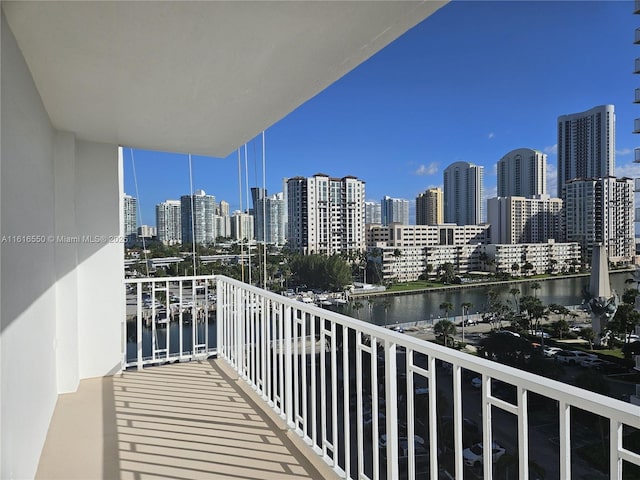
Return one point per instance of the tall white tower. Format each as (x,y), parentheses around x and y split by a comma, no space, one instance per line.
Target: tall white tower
(586,145)
(463,192)
(522,173)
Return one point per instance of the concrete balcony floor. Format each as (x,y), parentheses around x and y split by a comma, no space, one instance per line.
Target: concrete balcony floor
(184,421)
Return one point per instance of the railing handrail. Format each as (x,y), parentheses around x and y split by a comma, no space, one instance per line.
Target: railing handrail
(259,334)
(585,399)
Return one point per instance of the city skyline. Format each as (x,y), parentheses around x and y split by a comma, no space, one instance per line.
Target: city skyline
(451,89)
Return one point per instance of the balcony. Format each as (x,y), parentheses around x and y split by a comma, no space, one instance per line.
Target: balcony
(636,155)
(636,39)
(325,378)
(636,68)
(636,125)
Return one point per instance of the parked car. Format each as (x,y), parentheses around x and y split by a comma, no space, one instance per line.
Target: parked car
(507,332)
(594,363)
(573,357)
(472,456)
(539,333)
(551,351)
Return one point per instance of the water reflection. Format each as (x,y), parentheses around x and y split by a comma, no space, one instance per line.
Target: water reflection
(426,306)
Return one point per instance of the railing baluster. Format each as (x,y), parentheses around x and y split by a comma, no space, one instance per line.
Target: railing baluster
(565,439)
(345,401)
(374,407)
(288,374)
(139,325)
(334,396)
(303,411)
(615,445)
(359,413)
(433,416)
(314,391)
(391,394)
(457,419)
(523,433)
(487,439)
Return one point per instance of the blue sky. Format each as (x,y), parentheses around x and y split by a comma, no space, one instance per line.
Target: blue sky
(470,83)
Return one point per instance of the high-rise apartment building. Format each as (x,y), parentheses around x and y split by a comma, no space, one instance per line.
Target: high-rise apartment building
(525,220)
(169,222)
(223,209)
(326,215)
(586,145)
(522,173)
(601,211)
(221,226)
(372,213)
(394,210)
(197,217)
(130,207)
(429,207)
(463,192)
(147,232)
(268,217)
(242,226)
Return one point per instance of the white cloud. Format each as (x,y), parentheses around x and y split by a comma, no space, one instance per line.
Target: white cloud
(630,170)
(491,135)
(624,151)
(430,169)
(551,149)
(490,192)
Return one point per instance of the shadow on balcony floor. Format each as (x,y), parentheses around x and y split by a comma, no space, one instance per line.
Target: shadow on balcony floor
(182,421)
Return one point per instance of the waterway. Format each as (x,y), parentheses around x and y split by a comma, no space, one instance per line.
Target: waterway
(425,306)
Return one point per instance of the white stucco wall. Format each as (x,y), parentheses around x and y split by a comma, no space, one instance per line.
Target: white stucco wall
(100,263)
(62,302)
(28,272)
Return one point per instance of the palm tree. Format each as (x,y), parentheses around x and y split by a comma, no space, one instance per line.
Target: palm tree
(397,253)
(535,286)
(356,305)
(445,328)
(465,312)
(386,304)
(515,292)
(515,267)
(447,307)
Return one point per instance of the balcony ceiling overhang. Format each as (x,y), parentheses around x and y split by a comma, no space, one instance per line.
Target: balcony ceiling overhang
(202,77)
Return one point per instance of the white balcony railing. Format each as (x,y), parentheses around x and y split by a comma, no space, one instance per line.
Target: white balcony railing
(169,319)
(353,390)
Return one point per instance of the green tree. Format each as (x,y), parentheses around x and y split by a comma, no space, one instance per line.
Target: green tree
(515,292)
(560,328)
(386,304)
(624,321)
(447,272)
(535,286)
(445,329)
(447,307)
(589,335)
(356,305)
(629,296)
(322,272)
